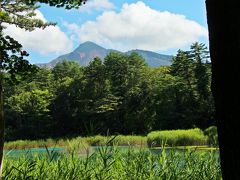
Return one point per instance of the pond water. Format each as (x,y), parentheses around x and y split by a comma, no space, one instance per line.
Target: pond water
(42,151)
(17,153)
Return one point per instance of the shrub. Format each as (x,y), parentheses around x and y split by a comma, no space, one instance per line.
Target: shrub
(95,140)
(24,144)
(176,138)
(130,140)
(211,133)
(75,142)
(27,144)
(78,145)
(119,140)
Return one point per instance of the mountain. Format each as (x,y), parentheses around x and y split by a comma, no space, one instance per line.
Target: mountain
(87,51)
(153,59)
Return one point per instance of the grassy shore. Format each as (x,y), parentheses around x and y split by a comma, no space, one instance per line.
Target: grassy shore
(108,161)
(189,137)
(87,141)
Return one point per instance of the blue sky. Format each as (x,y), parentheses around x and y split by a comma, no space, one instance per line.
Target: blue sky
(163,26)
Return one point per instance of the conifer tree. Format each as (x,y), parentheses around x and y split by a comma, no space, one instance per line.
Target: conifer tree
(20,13)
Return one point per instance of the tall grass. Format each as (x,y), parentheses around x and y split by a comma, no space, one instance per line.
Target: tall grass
(119,140)
(95,140)
(131,140)
(110,163)
(176,138)
(26,144)
(156,138)
(70,143)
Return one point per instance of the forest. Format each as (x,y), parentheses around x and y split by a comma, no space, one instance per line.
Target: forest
(42,115)
(120,94)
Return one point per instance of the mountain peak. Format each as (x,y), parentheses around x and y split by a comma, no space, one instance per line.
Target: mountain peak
(88,50)
(88,45)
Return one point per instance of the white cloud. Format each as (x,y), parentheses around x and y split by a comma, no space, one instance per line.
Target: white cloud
(139,26)
(97,5)
(49,40)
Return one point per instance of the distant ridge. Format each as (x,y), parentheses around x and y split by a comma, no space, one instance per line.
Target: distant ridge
(87,51)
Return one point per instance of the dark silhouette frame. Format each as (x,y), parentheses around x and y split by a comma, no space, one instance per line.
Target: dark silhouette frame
(224,37)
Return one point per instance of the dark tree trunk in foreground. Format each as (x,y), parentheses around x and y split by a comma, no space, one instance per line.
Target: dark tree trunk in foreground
(224,35)
(1,124)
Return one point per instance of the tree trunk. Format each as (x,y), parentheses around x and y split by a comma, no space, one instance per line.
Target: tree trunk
(224,36)
(1,124)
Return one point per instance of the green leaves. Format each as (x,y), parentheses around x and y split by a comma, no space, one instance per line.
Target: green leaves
(21,15)
(36,102)
(67,4)
(12,60)
(120,94)
(66,69)
(193,70)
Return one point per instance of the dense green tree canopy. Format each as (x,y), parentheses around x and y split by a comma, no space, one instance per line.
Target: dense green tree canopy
(20,13)
(119,94)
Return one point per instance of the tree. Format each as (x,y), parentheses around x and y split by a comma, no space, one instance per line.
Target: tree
(224,40)
(11,62)
(99,100)
(193,70)
(66,69)
(128,77)
(21,14)
(183,66)
(83,101)
(199,54)
(172,102)
(32,110)
(18,95)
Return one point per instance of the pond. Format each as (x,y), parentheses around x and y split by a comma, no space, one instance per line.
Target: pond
(32,151)
(60,150)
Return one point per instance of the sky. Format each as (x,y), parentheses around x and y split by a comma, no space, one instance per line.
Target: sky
(162,26)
